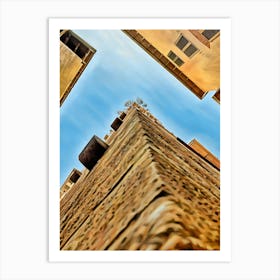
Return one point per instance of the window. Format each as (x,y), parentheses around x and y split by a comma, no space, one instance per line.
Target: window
(74,44)
(186,46)
(175,58)
(190,50)
(209,33)
(172,55)
(179,61)
(182,42)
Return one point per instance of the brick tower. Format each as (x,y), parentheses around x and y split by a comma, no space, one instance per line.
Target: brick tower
(143,189)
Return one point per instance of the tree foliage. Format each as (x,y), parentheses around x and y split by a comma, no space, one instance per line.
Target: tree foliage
(138,101)
(128,103)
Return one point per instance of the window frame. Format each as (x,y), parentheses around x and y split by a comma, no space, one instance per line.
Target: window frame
(213,37)
(186,46)
(175,58)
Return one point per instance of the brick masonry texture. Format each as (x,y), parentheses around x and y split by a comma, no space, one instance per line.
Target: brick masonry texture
(147,192)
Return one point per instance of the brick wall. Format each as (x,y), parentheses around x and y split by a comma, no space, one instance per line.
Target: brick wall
(148,191)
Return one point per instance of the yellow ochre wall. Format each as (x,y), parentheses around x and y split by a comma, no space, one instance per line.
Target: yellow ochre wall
(70,64)
(203,68)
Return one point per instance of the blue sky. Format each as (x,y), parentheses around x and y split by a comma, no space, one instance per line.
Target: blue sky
(119,71)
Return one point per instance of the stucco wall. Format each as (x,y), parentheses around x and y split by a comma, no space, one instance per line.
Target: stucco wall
(70,64)
(203,68)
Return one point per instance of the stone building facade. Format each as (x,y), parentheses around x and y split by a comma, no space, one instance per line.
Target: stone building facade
(144,190)
(75,55)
